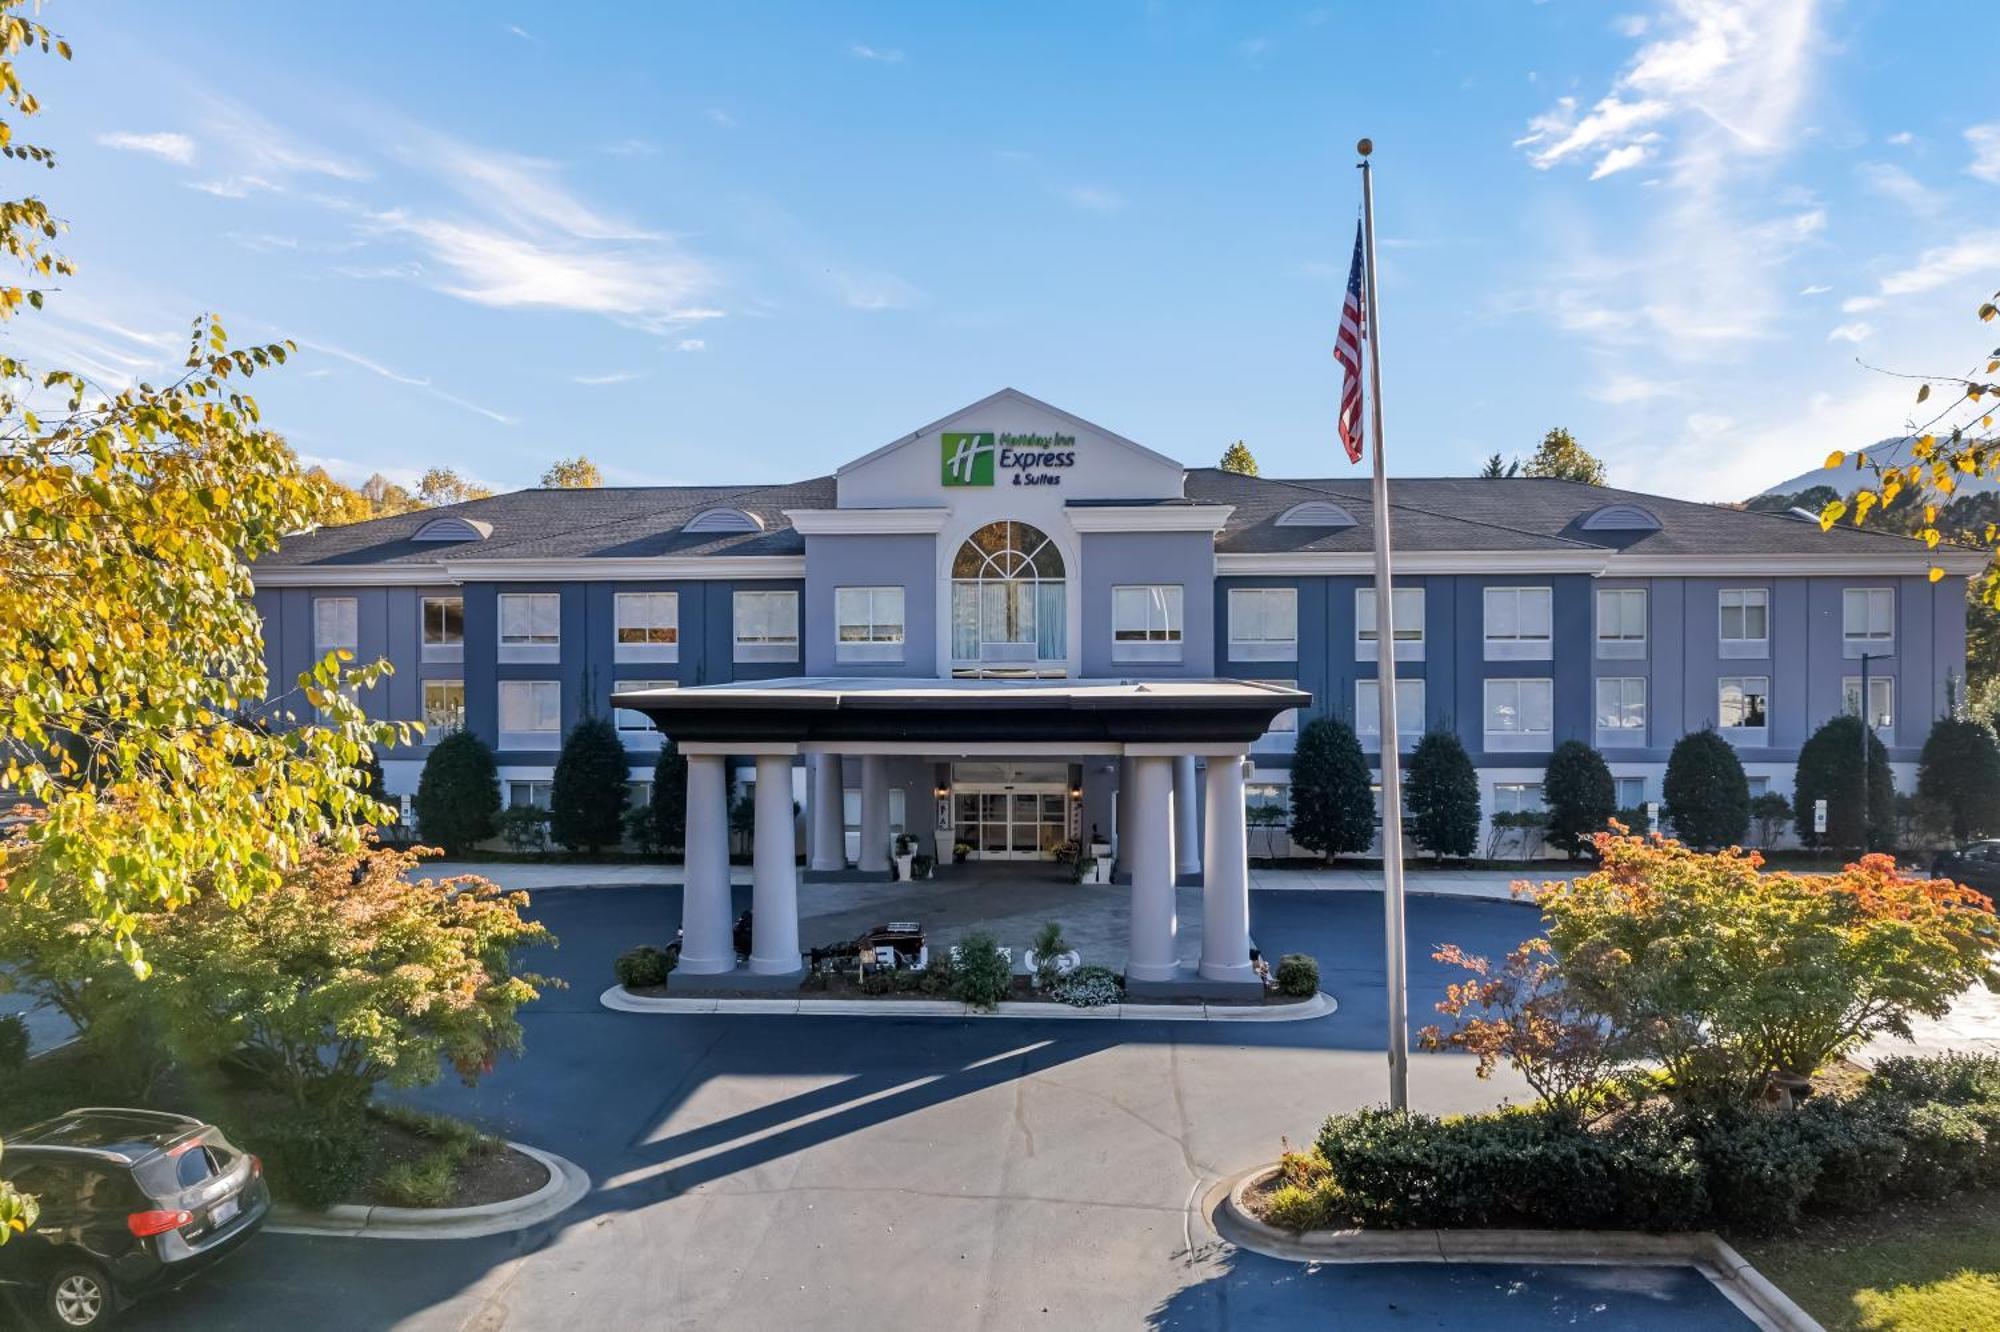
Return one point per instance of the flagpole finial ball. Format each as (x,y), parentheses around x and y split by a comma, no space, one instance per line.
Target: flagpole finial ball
(1365,147)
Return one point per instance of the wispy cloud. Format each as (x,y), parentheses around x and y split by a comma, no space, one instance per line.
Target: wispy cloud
(1620,389)
(1984,140)
(521,32)
(1815,289)
(1622,159)
(1934,269)
(375,367)
(691,345)
(1901,139)
(861,289)
(235,187)
(1858,331)
(177,148)
(716,116)
(260,149)
(631,148)
(610,377)
(1899,186)
(1090,198)
(881,55)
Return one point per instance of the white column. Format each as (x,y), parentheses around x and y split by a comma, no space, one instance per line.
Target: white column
(1121,848)
(829,837)
(706,948)
(1225,893)
(874,852)
(774,895)
(1150,846)
(1187,819)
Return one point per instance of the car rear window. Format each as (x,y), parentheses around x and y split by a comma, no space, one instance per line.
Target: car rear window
(193,1166)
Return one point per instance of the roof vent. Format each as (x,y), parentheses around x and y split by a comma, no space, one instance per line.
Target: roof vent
(453,529)
(723,520)
(1316,513)
(1622,518)
(1796,512)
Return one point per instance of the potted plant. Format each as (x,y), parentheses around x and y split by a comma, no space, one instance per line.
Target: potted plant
(921,867)
(906,851)
(1100,847)
(960,852)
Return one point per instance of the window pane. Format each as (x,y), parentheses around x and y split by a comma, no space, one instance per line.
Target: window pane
(1535,612)
(1502,705)
(1128,613)
(1502,613)
(334,623)
(1537,706)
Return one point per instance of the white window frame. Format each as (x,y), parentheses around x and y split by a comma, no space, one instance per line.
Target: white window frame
(445,646)
(1618,786)
(646,626)
(1148,621)
(540,792)
(1629,728)
(1742,600)
(1410,702)
(1743,685)
(1251,614)
(1519,737)
(633,726)
(530,626)
(1878,621)
(344,631)
(1281,735)
(1518,646)
(1516,798)
(434,732)
(879,613)
(1409,604)
(1613,607)
(542,698)
(773,643)
(1882,685)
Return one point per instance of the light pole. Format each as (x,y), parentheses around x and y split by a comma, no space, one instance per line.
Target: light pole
(1867,734)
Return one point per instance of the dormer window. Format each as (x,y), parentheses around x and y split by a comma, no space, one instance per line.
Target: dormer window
(724,520)
(1315,513)
(1621,518)
(453,528)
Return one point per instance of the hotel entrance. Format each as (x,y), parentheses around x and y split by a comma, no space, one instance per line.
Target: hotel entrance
(1007,811)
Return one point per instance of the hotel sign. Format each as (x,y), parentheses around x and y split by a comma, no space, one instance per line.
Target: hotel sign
(975,458)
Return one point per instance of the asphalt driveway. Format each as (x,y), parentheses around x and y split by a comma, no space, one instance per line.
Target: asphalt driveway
(756,1172)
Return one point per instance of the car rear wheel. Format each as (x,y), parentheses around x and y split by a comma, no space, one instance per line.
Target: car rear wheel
(78,1297)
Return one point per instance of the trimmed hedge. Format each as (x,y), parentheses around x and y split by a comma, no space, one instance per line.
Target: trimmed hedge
(637,968)
(1298,975)
(1920,1128)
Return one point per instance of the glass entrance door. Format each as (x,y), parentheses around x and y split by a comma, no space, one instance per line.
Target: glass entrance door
(1020,821)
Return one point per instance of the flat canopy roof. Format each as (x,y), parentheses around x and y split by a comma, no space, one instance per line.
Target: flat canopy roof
(808,709)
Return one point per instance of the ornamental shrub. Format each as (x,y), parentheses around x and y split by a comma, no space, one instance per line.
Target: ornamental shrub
(982,974)
(670,781)
(637,968)
(1771,812)
(587,801)
(1580,795)
(524,828)
(1706,794)
(1088,987)
(1441,790)
(1297,975)
(1333,802)
(1829,769)
(1958,778)
(458,795)
(13,1042)
(315,1156)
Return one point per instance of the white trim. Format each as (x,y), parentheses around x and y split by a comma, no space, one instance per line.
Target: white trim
(945,749)
(1750,566)
(867,522)
(1603,564)
(588,570)
(744,748)
(1283,563)
(1149,518)
(1013,395)
(349,575)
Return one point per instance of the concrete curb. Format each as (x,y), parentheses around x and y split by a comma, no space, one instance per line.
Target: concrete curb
(566,1185)
(1743,1285)
(619,1000)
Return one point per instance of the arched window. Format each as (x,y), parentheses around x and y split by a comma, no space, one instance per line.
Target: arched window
(1007,601)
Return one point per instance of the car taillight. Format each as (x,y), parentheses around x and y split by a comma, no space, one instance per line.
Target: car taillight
(143,1224)
(256,1166)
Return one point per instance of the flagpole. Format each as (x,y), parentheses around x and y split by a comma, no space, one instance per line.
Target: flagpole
(1385,669)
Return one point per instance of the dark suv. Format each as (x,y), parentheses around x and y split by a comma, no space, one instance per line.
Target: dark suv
(1976,865)
(132,1202)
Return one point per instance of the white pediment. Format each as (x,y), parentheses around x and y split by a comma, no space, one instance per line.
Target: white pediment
(1009,451)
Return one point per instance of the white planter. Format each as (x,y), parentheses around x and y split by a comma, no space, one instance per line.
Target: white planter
(1100,850)
(903,866)
(1100,870)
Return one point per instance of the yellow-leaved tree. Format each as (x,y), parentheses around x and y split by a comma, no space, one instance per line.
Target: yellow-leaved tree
(142,752)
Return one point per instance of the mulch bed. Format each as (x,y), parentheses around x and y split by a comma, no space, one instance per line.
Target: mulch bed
(842,985)
(486,1175)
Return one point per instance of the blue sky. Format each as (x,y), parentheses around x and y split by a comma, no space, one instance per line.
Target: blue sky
(710,244)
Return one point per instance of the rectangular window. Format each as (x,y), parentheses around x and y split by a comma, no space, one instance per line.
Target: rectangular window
(1146,622)
(629,720)
(1881,699)
(443,629)
(1745,621)
(868,623)
(336,625)
(1621,710)
(1517,623)
(1520,714)
(530,626)
(646,626)
(1517,798)
(1368,712)
(530,714)
(1759,786)
(444,709)
(638,795)
(531,793)
(1631,792)
(767,626)
(1409,624)
(1264,623)
(1741,702)
(1621,622)
(1868,620)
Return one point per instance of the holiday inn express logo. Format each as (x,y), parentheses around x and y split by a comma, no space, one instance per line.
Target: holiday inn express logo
(968,459)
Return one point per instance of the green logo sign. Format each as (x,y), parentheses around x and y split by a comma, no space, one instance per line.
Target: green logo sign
(968,459)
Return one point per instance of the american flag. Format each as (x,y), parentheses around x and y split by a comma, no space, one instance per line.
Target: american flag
(1347,351)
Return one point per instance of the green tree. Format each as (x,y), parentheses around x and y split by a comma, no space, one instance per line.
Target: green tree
(1238,458)
(458,795)
(1958,778)
(1442,792)
(1829,769)
(670,782)
(1498,470)
(1561,457)
(442,485)
(134,698)
(1333,809)
(587,802)
(1771,812)
(578,473)
(1706,794)
(1580,794)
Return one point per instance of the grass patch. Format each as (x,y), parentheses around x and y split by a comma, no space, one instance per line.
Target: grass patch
(1915,1267)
